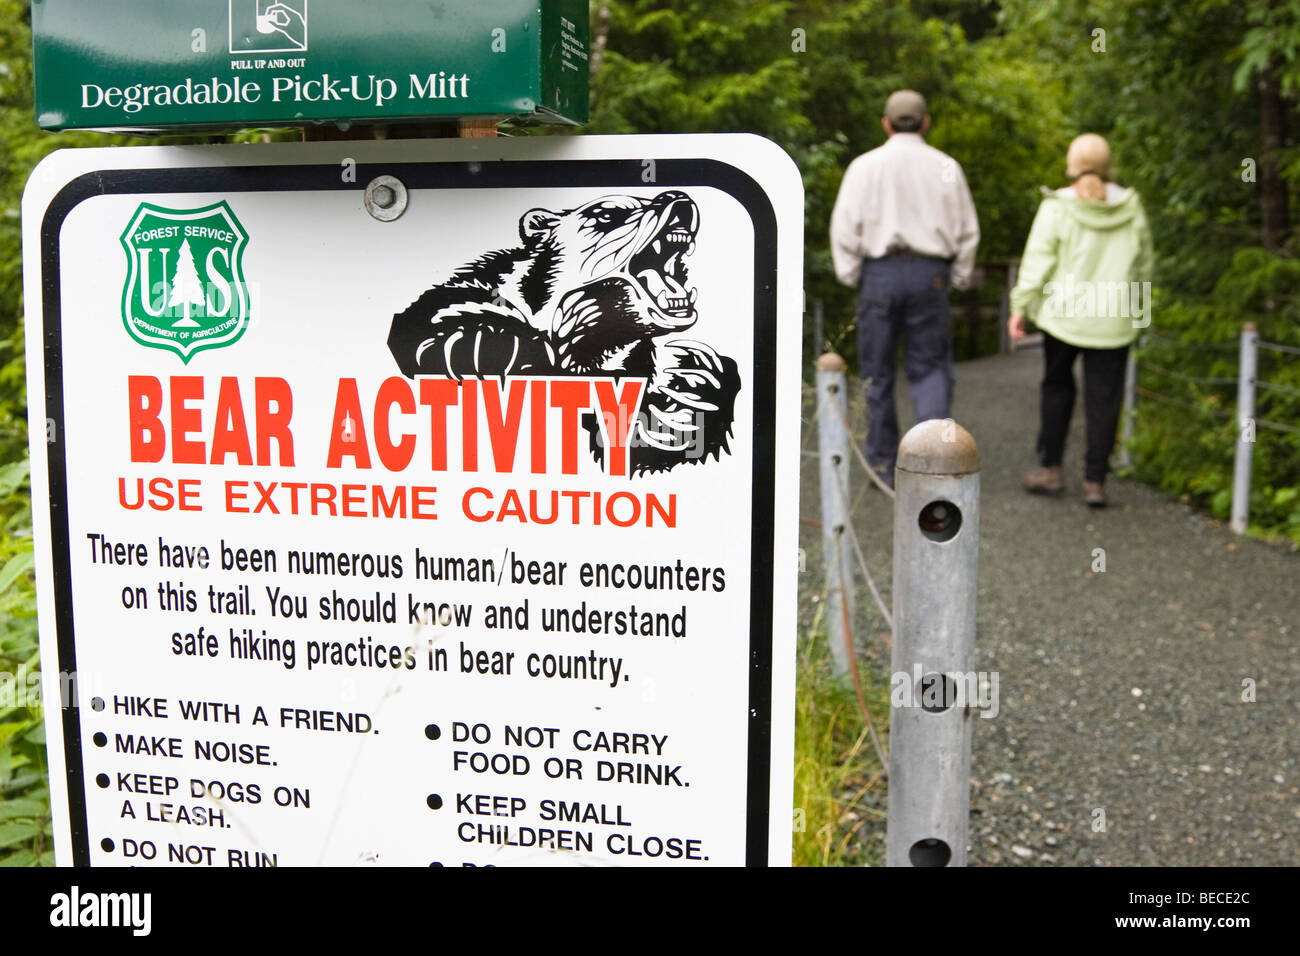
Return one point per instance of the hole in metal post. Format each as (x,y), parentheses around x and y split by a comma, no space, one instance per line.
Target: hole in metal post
(929,852)
(938,692)
(940,520)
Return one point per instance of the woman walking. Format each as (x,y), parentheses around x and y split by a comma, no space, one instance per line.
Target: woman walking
(1085,281)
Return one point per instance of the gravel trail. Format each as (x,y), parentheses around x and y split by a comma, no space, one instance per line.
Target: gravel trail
(1120,691)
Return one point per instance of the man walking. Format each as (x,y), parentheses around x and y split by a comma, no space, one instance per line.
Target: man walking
(903,230)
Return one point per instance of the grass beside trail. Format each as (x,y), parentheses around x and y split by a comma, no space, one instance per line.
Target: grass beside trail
(839,782)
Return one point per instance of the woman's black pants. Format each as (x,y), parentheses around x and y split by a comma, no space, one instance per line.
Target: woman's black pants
(1103,395)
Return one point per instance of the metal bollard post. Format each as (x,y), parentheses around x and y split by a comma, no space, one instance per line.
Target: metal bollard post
(1246,371)
(1130,401)
(936,552)
(833,455)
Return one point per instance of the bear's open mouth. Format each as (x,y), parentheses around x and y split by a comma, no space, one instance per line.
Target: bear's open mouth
(660,266)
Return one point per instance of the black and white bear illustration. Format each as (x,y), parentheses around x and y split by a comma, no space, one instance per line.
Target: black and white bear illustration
(593,290)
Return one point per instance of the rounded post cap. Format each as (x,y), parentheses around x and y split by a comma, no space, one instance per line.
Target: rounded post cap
(831,362)
(938,447)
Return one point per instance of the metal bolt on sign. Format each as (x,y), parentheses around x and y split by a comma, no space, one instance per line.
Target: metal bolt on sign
(936,551)
(385,198)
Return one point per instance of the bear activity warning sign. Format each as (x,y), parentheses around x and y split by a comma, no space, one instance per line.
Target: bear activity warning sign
(464,536)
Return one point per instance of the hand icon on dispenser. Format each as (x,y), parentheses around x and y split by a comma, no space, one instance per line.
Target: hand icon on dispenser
(286,21)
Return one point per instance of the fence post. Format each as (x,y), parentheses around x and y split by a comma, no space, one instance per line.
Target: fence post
(936,547)
(1130,400)
(833,456)
(1246,369)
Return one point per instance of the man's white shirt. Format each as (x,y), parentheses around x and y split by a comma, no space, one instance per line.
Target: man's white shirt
(904,196)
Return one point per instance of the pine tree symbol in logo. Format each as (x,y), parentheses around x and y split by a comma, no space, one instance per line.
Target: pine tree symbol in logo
(187,290)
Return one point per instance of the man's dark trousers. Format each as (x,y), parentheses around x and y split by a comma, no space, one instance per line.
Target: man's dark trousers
(903,296)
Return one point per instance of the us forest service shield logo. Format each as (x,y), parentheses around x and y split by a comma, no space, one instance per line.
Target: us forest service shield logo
(185,288)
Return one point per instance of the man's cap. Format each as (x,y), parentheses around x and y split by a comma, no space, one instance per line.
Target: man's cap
(905,106)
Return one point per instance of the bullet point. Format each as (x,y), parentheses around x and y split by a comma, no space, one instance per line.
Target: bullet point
(100,740)
(434,802)
(106,845)
(97,703)
(102,780)
(432,731)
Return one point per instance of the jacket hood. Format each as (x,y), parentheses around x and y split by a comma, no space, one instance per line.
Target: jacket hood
(1098,215)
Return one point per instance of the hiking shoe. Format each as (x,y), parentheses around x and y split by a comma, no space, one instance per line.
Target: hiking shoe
(1044,481)
(1094,494)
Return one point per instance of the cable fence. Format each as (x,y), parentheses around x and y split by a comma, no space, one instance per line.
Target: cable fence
(933,516)
(1199,391)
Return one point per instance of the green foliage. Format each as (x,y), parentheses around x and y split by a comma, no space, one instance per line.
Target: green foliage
(24,788)
(813,76)
(1173,92)
(1184,444)
(1273,39)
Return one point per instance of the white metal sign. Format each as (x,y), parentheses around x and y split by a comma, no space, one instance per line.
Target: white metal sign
(459,533)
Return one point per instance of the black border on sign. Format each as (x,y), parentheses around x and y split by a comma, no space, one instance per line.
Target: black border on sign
(595,173)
